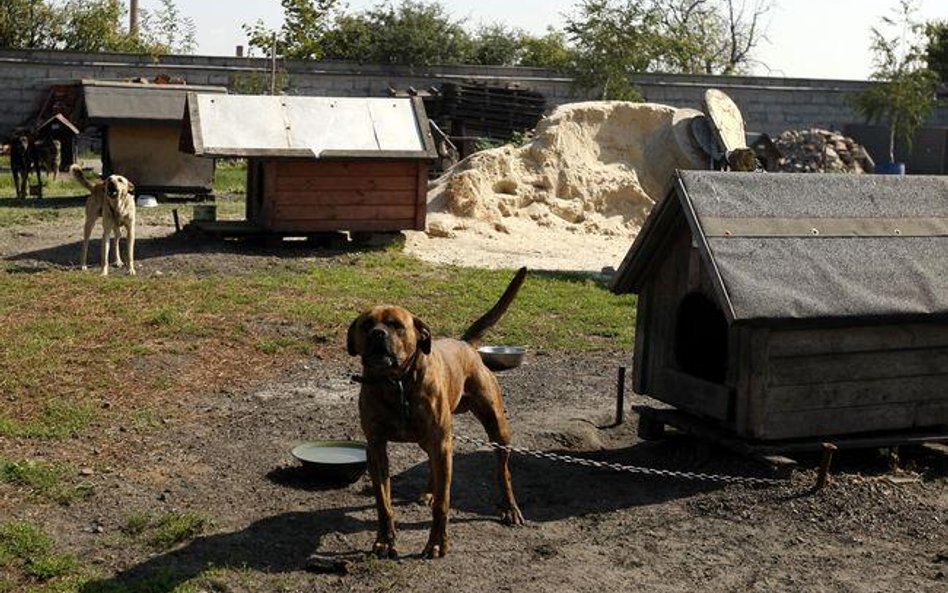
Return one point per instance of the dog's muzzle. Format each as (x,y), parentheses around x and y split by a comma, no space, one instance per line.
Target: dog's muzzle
(379,353)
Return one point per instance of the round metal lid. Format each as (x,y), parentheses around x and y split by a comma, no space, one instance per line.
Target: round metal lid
(727,123)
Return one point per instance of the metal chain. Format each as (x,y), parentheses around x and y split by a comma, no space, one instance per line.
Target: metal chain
(632,469)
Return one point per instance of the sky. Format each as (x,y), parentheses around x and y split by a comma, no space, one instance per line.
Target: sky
(805,38)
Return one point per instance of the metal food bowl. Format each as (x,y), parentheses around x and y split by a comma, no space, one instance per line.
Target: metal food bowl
(501,358)
(332,461)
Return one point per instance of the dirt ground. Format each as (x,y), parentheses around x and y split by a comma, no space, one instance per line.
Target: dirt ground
(874,529)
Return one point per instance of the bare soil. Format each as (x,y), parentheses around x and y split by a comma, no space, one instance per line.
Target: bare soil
(873,529)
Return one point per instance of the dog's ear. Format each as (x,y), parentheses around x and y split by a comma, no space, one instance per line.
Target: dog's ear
(351,345)
(131,186)
(424,335)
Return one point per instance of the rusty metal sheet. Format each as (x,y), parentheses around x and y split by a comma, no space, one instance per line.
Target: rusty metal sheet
(290,127)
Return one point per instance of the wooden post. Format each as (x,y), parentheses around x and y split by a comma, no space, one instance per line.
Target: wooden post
(177,223)
(620,397)
(825,462)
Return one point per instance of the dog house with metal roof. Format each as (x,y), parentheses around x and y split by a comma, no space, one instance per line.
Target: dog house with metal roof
(319,164)
(795,306)
(141,125)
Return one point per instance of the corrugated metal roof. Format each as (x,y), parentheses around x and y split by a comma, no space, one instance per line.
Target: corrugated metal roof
(109,102)
(306,127)
(786,247)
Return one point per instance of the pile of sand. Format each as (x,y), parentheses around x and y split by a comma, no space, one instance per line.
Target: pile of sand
(572,198)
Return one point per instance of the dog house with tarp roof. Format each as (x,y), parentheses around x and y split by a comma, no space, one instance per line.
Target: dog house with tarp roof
(795,306)
(141,125)
(320,164)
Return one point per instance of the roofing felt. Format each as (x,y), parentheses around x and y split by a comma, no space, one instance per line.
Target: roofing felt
(109,102)
(307,127)
(810,246)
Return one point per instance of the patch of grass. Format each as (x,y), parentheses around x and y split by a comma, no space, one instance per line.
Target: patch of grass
(136,523)
(26,550)
(56,421)
(230,177)
(150,341)
(62,198)
(166,530)
(45,480)
(284,343)
(146,420)
(173,528)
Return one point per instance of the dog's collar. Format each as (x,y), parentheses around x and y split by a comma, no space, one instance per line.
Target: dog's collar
(398,383)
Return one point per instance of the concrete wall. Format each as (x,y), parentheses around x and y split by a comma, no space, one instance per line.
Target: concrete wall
(769,105)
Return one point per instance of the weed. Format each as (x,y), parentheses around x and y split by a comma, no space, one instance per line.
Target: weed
(136,523)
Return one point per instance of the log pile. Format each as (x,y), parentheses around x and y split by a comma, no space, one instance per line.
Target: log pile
(821,151)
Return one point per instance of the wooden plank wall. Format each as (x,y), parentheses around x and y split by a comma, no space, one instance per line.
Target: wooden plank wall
(656,371)
(856,379)
(345,195)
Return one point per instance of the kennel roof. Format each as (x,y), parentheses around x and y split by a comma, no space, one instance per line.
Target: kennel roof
(806,247)
(117,103)
(306,127)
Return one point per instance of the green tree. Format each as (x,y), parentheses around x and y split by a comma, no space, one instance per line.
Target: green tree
(416,33)
(903,95)
(936,48)
(548,51)
(496,45)
(351,38)
(29,24)
(165,30)
(612,39)
(305,23)
(95,26)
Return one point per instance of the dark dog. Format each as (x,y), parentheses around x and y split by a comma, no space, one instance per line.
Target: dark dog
(411,388)
(22,161)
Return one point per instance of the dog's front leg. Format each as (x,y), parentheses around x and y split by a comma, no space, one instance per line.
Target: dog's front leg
(86,233)
(377,457)
(105,247)
(118,244)
(130,242)
(440,462)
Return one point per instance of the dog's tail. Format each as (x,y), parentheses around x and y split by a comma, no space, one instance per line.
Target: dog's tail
(477,329)
(79,176)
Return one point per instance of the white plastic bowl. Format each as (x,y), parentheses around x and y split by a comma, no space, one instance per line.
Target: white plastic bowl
(146,201)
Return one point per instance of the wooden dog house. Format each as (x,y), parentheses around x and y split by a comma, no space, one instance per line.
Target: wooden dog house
(320,164)
(141,127)
(795,306)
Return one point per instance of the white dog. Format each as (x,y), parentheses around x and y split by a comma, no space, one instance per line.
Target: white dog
(113,200)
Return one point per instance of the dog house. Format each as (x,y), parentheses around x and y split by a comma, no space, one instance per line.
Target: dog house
(795,306)
(141,125)
(320,164)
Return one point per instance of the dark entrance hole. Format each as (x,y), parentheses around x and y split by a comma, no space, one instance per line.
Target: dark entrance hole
(701,338)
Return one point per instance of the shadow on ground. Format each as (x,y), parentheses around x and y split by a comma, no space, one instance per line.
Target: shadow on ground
(161,250)
(283,543)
